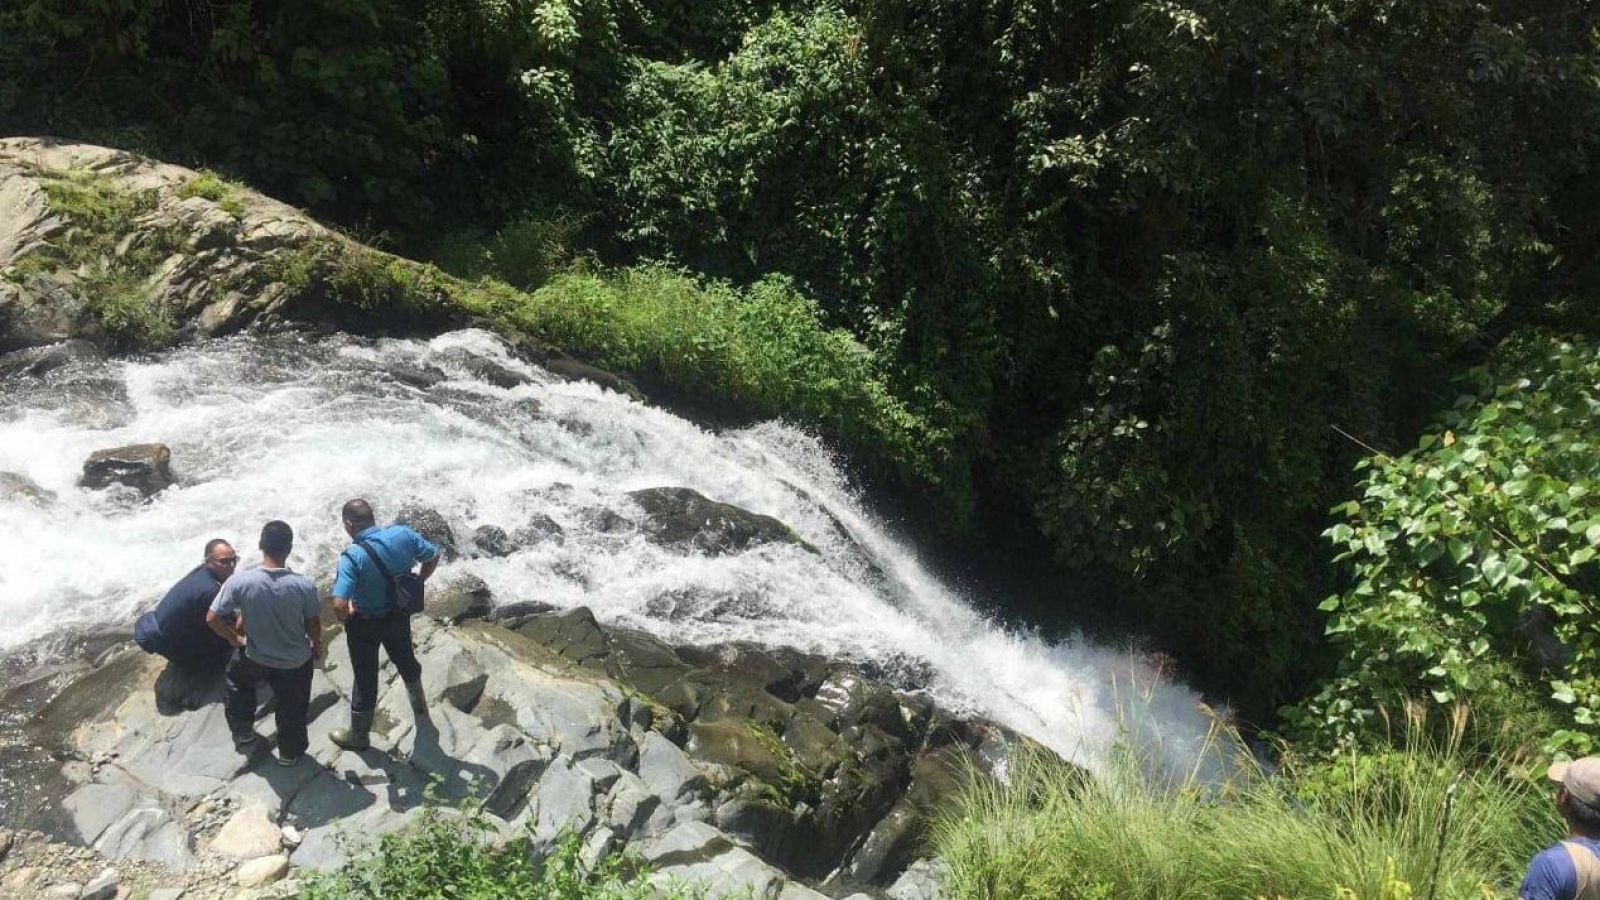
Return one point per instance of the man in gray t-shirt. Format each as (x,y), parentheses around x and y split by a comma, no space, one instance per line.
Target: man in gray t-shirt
(271,617)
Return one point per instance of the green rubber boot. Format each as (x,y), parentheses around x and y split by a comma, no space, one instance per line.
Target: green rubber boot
(356,736)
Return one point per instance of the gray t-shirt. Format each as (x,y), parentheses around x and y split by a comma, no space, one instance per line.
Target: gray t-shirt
(276,604)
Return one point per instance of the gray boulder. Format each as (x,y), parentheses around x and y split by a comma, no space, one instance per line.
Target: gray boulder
(686,520)
(21,487)
(431,525)
(147,468)
(37,361)
(466,597)
(492,540)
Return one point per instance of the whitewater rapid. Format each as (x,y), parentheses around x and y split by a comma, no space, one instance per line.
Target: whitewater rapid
(290,427)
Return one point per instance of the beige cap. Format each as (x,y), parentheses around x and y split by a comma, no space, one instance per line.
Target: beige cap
(1580,778)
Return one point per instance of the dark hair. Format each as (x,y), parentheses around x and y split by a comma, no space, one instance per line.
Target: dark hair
(1584,817)
(277,539)
(358,512)
(213,544)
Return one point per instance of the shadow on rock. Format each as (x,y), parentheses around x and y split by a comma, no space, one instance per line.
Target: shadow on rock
(183,688)
(455,778)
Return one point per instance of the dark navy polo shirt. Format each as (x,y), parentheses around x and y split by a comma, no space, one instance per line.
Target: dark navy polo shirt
(181,614)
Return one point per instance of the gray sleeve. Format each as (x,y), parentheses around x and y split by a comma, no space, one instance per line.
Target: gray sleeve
(224,605)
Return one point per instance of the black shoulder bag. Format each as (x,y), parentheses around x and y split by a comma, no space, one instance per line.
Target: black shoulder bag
(405,589)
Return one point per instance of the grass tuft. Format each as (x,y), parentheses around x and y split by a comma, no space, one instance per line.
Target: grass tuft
(1425,821)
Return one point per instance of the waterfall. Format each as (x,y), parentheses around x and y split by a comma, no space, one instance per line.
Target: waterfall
(289,427)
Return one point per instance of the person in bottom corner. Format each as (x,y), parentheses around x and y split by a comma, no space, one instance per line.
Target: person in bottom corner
(1570,869)
(176,628)
(283,615)
(361,599)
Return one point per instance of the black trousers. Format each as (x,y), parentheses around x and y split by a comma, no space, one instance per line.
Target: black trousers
(291,688)
(365,635)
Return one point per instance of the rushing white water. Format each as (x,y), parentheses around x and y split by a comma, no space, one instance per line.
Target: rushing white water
(289,428)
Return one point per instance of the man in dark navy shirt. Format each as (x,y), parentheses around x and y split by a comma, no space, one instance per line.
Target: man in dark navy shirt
(177,628)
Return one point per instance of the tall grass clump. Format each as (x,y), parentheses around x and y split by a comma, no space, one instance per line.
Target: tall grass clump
(757,351)
(1420,821)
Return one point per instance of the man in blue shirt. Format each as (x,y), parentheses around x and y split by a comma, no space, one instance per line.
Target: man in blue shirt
(273,616)
(1570,870)
(361,599)
(176,628)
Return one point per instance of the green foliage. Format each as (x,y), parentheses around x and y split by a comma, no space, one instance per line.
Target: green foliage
(226,194)
(454,854)
(113,255)
(1361,827)
(1473,556)
(525,253)
(760,351)
(1113,267)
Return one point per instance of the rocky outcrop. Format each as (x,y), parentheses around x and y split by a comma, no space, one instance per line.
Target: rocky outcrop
(684,519)
(21,487)
(147,468)
(753,769)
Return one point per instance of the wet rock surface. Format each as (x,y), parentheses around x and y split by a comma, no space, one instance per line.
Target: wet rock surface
(21,487)
(147,468)
(684,519)
(748,768)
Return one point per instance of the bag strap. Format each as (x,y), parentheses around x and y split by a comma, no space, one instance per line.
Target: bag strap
(377,560)
(1587,867)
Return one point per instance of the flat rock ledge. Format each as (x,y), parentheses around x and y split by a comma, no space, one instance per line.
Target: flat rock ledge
(749,770)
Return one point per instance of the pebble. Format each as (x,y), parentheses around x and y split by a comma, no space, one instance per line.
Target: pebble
(19,880)
(103,887)
(261,871)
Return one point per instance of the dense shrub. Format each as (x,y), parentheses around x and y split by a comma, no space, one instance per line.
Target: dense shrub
(1473,557)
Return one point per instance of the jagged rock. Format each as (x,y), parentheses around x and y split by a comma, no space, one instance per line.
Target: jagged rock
(771,829)
(734,873)
(570,369)
(465,597)
(492,540)
(431,525)
(643,661)
(147,832)
(565,801)
(889,846)
(539,529)
(919,882)
(513,615)
(735,744)
(265,870)
(101,887)
(608,521)
(422,377)
(166,893)
(21,487)
(147,468)
(690,842)
(66,890)
(19,880)
(37,361)
(249,834)
(684,519)
(667,770)
(573,633)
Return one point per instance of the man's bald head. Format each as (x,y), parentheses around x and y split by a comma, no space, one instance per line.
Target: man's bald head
(357,515)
